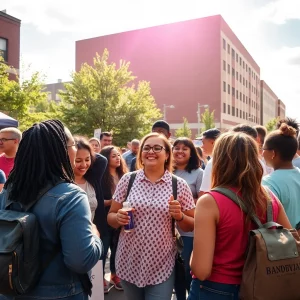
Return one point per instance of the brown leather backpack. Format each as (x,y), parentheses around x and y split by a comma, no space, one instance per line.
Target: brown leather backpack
(272,266)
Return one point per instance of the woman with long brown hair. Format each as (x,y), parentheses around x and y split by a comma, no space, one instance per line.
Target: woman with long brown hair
(116,168)
(221,228)
(145,256)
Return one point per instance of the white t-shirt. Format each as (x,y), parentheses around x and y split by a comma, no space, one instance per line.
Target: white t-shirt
(90,191)
(206,180)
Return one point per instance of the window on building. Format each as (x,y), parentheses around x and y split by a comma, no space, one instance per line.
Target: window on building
(224,65)
(237,94)
(224,108)
(240,61)
(246,100)
(237,112)
(240,113)
(233,111)
(224,44)
(246,83)
(3,48)
(228,90)
(228,48)
(247,116)
(237,75)
(243,65)
(228,68)
(237,58)
(224,86)
(233,72)
(241,96)
(240,78)
(233,91)
(246,68)
(249,70)
(228,109)
(243,80)
(232,53)
(243,115)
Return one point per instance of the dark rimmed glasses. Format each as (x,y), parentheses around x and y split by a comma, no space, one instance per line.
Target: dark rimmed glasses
(155,148)
(5,140)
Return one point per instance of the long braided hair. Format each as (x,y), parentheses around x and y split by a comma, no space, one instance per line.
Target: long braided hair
(42,157)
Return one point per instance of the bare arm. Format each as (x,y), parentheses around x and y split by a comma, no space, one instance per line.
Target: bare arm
(206,219)
(282,218)
(107,202)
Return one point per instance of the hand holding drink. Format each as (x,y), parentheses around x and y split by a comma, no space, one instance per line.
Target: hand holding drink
(125,217)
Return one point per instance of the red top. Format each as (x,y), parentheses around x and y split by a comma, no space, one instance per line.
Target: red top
(232,240)
(6,164)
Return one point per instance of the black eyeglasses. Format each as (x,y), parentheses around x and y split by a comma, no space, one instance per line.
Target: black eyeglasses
(155,148)
(5,140)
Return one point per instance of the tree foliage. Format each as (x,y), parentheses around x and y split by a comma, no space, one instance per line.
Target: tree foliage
(271,125)
(18,99)
(184,131)
(208,119)
(104,96)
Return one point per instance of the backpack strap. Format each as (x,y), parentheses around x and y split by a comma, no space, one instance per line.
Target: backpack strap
(131,180)
(174,191)
(238,201)
(269,208)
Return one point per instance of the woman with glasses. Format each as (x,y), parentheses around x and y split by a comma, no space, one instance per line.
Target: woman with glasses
(188,167)
(146,256)
(116,168)
(279,150)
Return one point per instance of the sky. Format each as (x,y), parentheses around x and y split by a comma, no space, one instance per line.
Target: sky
(270,31)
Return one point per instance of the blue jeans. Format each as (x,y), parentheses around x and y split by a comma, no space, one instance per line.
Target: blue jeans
(208,290)
(110,240)
(186,255)
(162,291)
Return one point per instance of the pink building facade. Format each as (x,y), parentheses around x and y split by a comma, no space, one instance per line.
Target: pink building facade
(189,64)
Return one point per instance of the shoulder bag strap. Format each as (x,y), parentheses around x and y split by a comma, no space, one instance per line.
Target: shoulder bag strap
(238,201)
(174,191)
(131,180)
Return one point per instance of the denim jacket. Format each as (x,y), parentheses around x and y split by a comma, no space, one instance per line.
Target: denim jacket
(64,217)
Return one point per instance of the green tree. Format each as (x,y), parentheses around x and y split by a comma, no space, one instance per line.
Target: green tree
(184,131)
(104,96)
(19,98)
(208,119)
(271,125)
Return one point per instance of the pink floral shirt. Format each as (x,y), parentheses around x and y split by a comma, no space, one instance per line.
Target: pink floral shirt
(146,256)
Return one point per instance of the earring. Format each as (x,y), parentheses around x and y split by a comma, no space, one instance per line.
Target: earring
(166,161)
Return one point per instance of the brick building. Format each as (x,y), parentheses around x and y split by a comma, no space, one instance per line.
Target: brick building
(10,41)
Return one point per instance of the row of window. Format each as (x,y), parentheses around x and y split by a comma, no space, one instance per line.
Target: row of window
(235,112)
(239,95)
(3,48)
(236,75)
(239,59)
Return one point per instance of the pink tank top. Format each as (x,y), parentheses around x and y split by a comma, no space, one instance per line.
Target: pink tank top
(232,240)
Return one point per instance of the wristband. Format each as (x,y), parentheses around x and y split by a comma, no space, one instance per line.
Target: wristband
(181,218)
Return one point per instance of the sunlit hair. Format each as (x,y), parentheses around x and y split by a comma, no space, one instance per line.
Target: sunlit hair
(236,165)
(168,163)
(194,160)
(83,144)
(108,180)
(283,141)
(93,139)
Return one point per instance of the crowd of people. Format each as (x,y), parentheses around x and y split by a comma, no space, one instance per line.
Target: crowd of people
(82,215)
